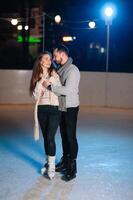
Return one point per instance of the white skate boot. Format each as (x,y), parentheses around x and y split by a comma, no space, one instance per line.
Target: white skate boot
(51,167)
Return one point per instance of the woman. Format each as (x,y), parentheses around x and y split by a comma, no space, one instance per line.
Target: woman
(46,110)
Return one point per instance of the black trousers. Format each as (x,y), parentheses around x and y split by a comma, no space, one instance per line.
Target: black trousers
(68,125)
(49,118)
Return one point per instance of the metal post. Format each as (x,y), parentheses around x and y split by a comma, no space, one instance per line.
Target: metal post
(107,55)
(108,23)
(43,36)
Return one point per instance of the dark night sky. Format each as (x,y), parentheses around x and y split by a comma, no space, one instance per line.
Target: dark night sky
(78,10)
(73,9)
(81,8)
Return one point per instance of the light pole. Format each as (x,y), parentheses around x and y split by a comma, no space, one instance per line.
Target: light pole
(57,20)
(43,36)
(107,53)
(108,12)
(108,15)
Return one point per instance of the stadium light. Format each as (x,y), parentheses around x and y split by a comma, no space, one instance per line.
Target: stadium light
(109,11)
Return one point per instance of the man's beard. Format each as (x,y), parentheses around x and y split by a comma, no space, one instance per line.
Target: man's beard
(59,61)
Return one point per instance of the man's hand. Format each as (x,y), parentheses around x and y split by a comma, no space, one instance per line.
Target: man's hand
(46,83)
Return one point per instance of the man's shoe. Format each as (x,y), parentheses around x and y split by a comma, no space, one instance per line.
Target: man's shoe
(71,170)
(62,165)
(68,177)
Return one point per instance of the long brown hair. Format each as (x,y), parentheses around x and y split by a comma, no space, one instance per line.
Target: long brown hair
(37,71)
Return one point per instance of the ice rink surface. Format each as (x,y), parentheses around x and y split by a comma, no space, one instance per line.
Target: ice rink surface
(105,158)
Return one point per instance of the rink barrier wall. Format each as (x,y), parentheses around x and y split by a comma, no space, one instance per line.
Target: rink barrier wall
(96,88)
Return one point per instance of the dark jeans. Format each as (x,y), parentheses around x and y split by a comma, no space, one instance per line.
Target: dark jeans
(68,125)
(49,118)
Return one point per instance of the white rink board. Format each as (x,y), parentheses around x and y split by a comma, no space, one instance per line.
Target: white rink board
(96,88)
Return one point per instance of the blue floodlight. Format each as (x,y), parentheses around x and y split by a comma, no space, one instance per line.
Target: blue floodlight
(108,11)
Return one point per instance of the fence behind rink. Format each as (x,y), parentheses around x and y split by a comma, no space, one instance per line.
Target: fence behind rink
(96,88)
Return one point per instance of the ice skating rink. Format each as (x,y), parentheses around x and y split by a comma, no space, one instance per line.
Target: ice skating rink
(105,159)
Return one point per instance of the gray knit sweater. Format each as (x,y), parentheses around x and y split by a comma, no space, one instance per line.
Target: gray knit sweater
(69,91)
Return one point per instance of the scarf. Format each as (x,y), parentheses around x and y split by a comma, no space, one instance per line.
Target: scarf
(63,69)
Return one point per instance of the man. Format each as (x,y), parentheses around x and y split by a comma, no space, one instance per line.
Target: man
(69,106)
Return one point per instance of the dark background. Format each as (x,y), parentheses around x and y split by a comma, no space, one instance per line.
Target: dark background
(16,56)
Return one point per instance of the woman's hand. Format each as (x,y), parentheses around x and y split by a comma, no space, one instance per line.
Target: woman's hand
(42,93)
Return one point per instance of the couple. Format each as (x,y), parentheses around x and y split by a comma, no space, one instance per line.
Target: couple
(57,103)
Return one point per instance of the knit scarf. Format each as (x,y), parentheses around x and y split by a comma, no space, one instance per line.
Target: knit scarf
(61,71)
